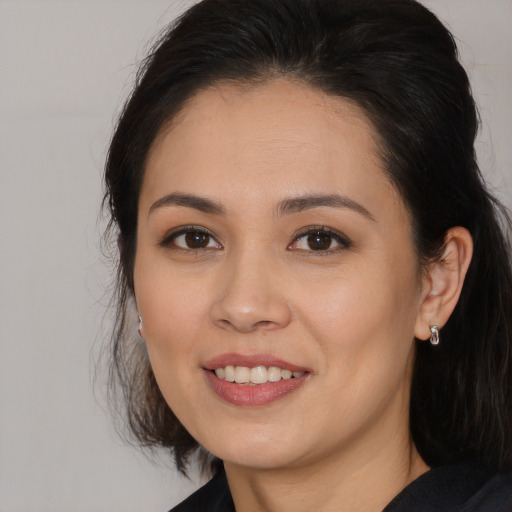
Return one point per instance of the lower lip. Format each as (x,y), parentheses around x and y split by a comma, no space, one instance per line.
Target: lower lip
(261,394)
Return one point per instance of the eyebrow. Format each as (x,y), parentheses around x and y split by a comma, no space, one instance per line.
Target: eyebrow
(286,207)
(202,204)
(299,204)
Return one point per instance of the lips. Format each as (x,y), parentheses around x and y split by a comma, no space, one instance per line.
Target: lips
(253,380)
(256,375)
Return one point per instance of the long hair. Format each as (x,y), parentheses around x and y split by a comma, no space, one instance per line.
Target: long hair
(398,62)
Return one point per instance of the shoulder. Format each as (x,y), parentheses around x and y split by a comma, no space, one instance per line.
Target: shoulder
(456,488)
(495,495)
(214,496)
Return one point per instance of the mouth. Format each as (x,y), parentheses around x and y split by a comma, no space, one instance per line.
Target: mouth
(255,376)
(253,380)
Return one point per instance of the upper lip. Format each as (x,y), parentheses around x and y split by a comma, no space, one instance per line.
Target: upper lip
(251,361)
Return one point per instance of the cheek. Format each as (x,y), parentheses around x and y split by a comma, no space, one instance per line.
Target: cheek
(173,315)
(172,308)
(366,332)
(364,319)
(165,297)
(359,300)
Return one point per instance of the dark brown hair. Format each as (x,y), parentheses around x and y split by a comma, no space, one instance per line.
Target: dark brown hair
(397,61)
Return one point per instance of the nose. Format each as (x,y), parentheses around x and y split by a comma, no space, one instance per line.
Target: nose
(251,296)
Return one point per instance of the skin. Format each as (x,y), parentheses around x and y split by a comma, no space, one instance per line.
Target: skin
(349,314)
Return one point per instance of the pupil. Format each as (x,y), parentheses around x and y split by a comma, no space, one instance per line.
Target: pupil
(319,241)
(196,239)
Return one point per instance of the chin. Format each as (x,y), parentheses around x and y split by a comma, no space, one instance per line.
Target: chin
(251,447)
(266,459)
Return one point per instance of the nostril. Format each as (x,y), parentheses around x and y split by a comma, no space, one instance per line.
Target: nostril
(250,312)
(226,324)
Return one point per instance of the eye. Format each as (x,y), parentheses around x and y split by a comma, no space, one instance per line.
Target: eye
(320,239)
(190,238)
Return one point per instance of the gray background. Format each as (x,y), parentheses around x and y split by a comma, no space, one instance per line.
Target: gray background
(65,67)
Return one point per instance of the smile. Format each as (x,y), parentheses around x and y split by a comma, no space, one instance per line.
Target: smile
(255,376)
(253,380)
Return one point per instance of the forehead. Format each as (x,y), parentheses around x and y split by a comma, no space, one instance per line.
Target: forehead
(271,138)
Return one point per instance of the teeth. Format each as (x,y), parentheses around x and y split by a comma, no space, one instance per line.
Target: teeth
(259,375)
(286,374)
(256,375)
(242,375)
(274,374)
(229,373)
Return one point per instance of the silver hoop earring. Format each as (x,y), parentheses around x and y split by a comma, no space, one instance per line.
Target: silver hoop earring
(434,335)
(139,330)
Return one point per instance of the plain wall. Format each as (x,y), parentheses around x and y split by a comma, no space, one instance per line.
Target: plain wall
(65,67)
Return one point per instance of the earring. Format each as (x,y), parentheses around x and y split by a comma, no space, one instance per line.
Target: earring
(434,335)
(139,330)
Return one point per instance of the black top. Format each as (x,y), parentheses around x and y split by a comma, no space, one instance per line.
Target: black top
(457,488)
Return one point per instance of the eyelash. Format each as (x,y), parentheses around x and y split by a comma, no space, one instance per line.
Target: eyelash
(169,240)
(342,240)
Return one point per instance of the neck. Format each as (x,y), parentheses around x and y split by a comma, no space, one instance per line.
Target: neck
(348,480)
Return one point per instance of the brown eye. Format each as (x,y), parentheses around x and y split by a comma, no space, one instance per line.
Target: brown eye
(320,240)
(196,240)
(191,239)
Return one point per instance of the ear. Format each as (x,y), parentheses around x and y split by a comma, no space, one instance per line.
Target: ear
(442,281)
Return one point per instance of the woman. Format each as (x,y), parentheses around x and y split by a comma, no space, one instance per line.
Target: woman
(322,285)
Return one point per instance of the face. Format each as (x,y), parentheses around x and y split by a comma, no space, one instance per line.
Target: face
(273,251)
